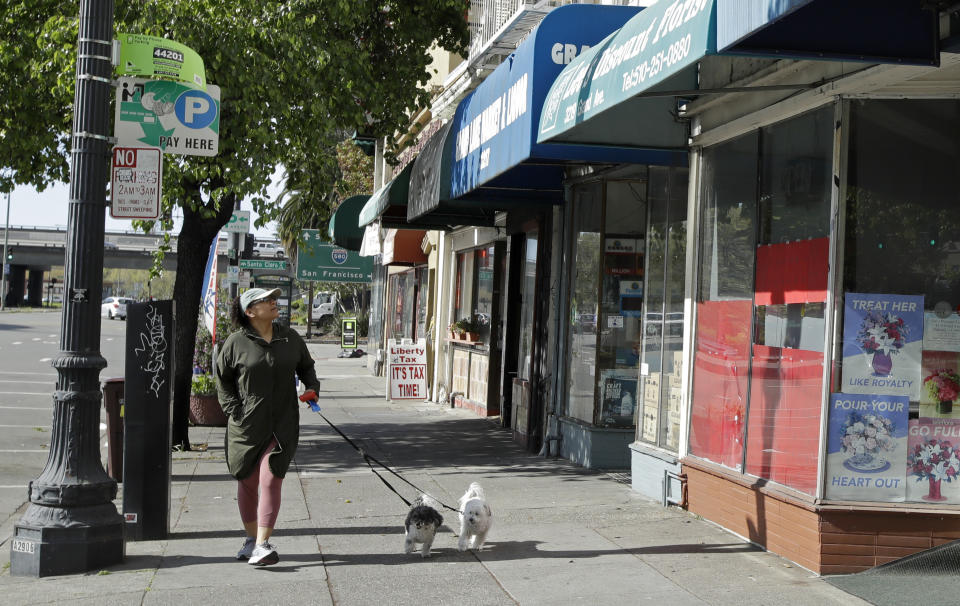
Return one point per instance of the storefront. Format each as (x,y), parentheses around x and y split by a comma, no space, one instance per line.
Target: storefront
(485,170)
(821,339)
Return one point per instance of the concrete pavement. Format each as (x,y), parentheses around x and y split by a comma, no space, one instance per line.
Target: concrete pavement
(561,534)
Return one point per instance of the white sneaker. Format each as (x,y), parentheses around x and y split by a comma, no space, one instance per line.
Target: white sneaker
(248,544)
(263,554)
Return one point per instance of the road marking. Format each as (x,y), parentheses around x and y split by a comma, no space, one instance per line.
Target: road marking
(36,339)
(47,360)
(19,486)
(24,393)
(24,408)
(17,372)
(52,336)
(24,426)
(17,343)
(24,451)
(31,382)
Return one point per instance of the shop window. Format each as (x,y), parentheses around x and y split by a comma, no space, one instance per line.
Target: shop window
(606,304)
(658,414)
(582,332)
(473,299)
(725,300)
(899,326)
(422,299)
(528,301)
(404,288)
(758,358)
(790,290)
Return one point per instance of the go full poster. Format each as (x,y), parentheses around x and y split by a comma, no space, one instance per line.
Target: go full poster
(882,344)
(867,447)
(933,461)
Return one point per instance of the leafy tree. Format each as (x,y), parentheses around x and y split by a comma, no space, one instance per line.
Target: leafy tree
(292,75)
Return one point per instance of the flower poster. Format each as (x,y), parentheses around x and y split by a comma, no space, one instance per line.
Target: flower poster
(933,463)
(866,447)
(882,343)
(940,385)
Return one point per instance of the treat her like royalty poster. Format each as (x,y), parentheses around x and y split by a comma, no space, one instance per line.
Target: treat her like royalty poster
(867,447)
(933,463)
(882,344)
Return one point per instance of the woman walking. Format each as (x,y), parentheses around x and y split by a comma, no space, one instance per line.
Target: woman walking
(255,383)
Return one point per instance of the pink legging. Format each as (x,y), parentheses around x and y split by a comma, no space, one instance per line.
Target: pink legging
(266,508)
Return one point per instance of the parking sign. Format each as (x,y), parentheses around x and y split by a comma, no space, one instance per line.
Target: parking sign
(135,183)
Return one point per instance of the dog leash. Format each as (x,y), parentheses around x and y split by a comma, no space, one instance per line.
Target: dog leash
(312,404)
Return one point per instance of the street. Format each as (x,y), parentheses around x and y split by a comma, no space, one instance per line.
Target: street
(29,340)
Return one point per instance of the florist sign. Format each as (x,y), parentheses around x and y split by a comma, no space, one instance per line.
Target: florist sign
(866,446)
(882,344)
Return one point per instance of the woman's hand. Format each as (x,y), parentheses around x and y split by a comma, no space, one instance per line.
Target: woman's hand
(309,395)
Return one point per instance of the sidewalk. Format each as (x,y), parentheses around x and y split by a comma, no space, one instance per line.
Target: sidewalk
(561,534)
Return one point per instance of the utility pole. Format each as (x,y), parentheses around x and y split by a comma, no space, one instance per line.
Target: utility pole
(71,524)
(6,251)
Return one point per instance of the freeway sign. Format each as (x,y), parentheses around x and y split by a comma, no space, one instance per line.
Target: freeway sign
(152,57)
(263,264)
(177,118)
(320,262)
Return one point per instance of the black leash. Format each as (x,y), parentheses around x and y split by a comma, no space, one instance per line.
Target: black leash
(368,458)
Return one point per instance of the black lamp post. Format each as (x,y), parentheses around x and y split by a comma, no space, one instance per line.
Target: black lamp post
(71,524)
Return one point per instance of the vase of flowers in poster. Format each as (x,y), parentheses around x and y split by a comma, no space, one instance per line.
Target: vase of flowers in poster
(940,386)
(933,462)
(882,344)
(866,447)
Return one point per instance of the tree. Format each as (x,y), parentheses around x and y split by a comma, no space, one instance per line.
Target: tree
(292,74)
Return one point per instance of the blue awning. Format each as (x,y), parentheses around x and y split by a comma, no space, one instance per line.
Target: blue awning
(876,31)
(494,155)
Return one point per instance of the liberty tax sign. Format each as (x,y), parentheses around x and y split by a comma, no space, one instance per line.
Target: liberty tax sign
(135,183)
(407,369)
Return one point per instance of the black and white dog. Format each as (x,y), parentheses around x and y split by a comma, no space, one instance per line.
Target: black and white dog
(422,523)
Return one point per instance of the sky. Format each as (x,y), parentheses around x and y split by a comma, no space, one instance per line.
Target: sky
(28,208)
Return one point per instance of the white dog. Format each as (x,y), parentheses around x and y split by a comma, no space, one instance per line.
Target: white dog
(475,519)
(421,525)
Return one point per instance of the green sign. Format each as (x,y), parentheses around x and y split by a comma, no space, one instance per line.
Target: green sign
(318,261)
(172,116)
(160,59)
(348,333)
(656,45)
(262,264)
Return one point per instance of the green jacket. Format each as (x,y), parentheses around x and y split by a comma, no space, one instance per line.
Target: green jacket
(257,391)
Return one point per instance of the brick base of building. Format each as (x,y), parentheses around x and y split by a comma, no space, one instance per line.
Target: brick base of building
(824,538)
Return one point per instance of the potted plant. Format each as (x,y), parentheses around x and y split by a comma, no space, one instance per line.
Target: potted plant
(204,405)
(458,329)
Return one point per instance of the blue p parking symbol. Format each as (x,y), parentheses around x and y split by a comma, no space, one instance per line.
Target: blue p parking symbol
(195,109)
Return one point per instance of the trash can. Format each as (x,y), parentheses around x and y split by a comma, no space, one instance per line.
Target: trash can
(113,403)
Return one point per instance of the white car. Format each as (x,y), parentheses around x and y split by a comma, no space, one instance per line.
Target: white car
(115,307)
(268,249)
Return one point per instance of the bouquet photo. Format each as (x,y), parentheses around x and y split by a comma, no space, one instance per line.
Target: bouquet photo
(882,335)
(866,439)
(942,387)
(933,460)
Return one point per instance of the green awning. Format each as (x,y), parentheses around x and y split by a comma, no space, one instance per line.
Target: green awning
(345,230)
(389,203)
(619,91)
